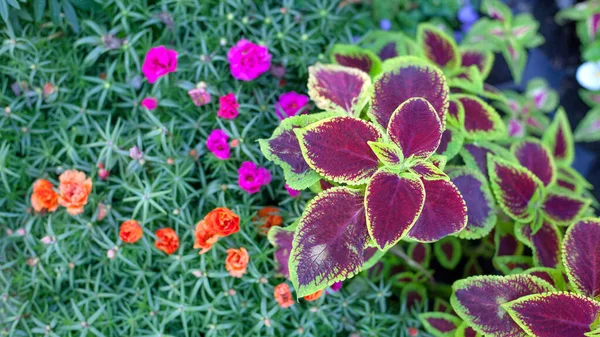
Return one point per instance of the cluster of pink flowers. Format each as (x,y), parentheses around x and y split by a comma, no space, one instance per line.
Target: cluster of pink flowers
(251,177)
(218,145)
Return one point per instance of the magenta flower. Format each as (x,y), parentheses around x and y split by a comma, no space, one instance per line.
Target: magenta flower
(247,60)
(228,106)
(336,286)
(290,104)
(292,192)
(159,61)
(252,177)
(199,95)
(149,103)
(217,144)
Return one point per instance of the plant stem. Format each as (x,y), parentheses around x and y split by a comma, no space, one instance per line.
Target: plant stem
(398,251)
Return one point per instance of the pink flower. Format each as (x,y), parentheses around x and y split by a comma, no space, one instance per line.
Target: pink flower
(199,95)
(290,104)
(149,103)
(228,106)
(247,60)
(292,192)
(252,177)
(516,128)
(135,153)
(217,144)
(159,61)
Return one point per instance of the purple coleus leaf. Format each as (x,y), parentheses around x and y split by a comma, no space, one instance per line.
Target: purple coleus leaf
(478,300)
(444,212)
(282,239)
(464,330)
(563,209)
(420,253)
(516,188)
(497,10)
(355,57)
(559,139)
(581,257)
(451,143)
(534,156)
(428,171)
(393,204)
(481,212)
(506,243)
(404,78)
(557,314)
(448,252)
(551,275)
(284,150)
(438,47)
(456,113)
(338,149)
(481,120)
(545,243)
(338,88)
(483,60)
(439,323)
(389,154)
(330,241)
(416,128)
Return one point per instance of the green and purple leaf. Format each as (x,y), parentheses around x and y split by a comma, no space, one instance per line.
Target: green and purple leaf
(553,276)
(448,252)
(441,305)
(534,156)
(482,59)
(563,209)
(338,149)
(512,264)
(464,330)
(497,10)
(393,204)
(516,188)
(440,324)
(283,148)
(481,120)
(388,153)
(559,314)
(478,301)
(420,253)
(456,113)
(438,47)
(355,57)
(581,257)
(282,238)
(330,240)
(444,212)
(337,88)
(468,79)
(481,213)
(404,78)
(451,143)
(416,128)
(545,243)
(428,171)
(559,139)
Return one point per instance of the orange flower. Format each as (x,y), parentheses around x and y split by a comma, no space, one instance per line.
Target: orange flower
(74,191)
(237,261)
(283,295)
(268,217)
(314,296)
(131,231)
(167,240)
(205,237)
(44,196)
(223,221)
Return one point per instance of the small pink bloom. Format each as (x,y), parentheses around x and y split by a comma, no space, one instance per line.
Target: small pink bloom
(159,61)
(32,261)
(21,232)
(292,192)
(290,104)
(197,273)
(135,153)
(247,60)
(48,240)
(103,174)
(234,143)
(228,106)
(102,211)
(217,144)
(149,103)
(200,96)
(251,177)
(336,286)
(111,253)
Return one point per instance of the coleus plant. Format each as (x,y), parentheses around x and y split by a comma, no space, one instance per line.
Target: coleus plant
(538,302)
(388,184)
(506,33)
(526,113)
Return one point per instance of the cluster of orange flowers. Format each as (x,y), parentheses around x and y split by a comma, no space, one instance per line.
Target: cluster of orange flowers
(283,295)
(73,192)
(268,217)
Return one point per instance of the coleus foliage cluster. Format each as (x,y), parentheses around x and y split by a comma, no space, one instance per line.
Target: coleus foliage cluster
(378,154)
